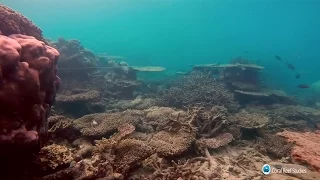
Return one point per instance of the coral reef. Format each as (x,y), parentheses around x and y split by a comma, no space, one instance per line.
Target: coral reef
(306,149)
(12,22)
(28,87)
(76,62)
(108,123)
(87,87)
(197,89)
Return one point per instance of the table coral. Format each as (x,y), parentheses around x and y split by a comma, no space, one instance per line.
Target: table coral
(28,84)
(129,152)
(213,143)
(249,120)
(100,124)
(306,149)
(79,97)
(172,143)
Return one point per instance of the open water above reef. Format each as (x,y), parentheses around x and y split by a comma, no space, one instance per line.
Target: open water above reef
(176,33)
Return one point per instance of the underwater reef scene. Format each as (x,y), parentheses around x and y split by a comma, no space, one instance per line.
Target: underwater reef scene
(68,113)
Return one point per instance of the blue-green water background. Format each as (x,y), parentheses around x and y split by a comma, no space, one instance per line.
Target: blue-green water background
(176,33)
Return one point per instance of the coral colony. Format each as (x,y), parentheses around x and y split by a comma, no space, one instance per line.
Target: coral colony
(103,121)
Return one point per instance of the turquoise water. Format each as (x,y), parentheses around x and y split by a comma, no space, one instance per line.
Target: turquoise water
(177,33)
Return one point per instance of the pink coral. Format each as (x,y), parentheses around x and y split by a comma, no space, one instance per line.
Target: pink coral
(306,149)
(28,84)
(12,22)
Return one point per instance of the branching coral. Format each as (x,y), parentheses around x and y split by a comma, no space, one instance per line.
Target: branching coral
(197,89)
(209,122)
(53,156)
(194,168)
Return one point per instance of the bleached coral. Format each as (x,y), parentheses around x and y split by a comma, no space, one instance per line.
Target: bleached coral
(52,156)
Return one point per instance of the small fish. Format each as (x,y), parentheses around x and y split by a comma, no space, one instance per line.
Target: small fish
(290,66)
(297,76)
(303,86)
(277,57)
